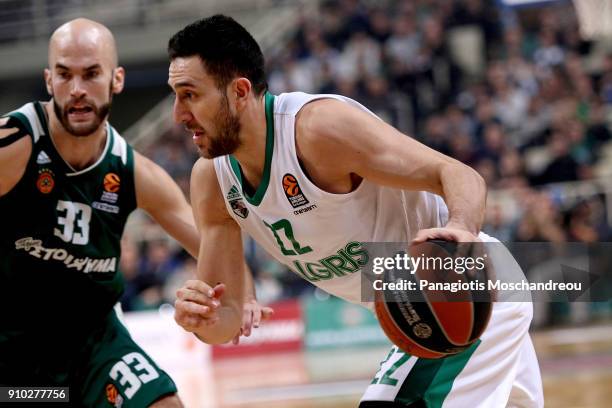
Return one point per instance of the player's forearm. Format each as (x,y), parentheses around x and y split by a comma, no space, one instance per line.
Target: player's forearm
(465,194)
(182,229)
(227,326)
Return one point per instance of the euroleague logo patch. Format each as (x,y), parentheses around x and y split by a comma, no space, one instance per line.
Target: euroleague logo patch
(112,183)
(293,192)
(45,182)
(113,396)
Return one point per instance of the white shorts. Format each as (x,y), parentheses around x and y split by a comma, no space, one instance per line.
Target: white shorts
(500,370)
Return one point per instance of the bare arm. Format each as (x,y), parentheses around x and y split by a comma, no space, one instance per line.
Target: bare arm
(220,259)
(161,197)
(376,151)
(14,156)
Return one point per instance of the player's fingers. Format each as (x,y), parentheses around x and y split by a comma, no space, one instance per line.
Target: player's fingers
(219,290)
(431,233)
(195,308)
(196,296)
(247,321)
(236,339)
(445,234)
(187,321)
(266,313)
(257,317)
(200,286)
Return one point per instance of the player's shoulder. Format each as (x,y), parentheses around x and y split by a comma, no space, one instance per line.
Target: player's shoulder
(319,125)
(206,197)
(203,174)
(120,146)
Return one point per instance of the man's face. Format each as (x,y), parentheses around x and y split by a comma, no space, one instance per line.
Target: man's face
(203,108)
(82,90)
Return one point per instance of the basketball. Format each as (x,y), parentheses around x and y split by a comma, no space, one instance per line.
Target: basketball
(434,321)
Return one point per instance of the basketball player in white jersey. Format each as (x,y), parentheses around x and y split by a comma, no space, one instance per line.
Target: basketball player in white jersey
(310,177)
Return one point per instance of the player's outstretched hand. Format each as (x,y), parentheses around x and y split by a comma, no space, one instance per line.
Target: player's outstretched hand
(252,315)
(196,305)
(448,233)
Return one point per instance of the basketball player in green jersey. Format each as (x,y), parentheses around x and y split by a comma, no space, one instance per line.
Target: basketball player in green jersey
(310,178)
(68,182)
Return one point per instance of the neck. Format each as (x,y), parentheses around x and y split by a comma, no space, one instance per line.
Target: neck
(252,153)
(78,151)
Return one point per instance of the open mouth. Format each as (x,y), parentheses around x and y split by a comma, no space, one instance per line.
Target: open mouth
(80,110)
(197,134)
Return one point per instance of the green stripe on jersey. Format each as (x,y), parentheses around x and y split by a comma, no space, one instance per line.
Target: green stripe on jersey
(432,379)
(265,180)
(24,120)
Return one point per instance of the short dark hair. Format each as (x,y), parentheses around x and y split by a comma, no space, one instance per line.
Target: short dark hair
(226,48)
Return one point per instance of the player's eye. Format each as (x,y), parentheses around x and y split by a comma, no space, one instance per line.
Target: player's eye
(91,74)
(186,95)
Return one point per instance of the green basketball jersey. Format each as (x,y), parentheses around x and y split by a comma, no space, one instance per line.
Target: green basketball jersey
(60,239)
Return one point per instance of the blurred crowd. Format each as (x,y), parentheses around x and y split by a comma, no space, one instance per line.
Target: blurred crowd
(516,94)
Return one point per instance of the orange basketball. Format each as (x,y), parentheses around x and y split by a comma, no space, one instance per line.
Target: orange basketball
(434,325)
(290,185)
(111,183)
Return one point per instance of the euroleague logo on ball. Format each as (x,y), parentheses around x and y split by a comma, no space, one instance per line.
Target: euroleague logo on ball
(293,192)
(422,330)
(112,183)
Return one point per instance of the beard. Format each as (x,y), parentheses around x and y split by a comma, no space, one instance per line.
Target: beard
(85,128)
(228,127)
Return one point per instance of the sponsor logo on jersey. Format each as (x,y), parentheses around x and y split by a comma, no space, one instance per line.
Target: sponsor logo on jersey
(347,260)
(305,209)
(113,396)
(45,182)
(109,197)
(237,203)
(292,190)
(111,183)
(87,265)
(113,209)
(43,158)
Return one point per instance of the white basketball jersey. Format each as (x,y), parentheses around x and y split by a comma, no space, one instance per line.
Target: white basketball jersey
(317,234)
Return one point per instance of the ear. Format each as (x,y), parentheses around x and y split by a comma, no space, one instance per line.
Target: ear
(241,91)
(48,84)
(118,79)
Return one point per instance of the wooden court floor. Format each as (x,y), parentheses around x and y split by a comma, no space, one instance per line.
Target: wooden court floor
(576,366)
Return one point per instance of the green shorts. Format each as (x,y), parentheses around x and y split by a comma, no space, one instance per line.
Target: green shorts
(108,369)
(119,373)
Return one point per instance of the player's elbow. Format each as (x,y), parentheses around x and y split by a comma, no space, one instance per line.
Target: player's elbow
(455,169)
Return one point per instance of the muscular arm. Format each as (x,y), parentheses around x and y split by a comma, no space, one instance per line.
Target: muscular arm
(161,197)
(373,150)
(220,259)
(14,155)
